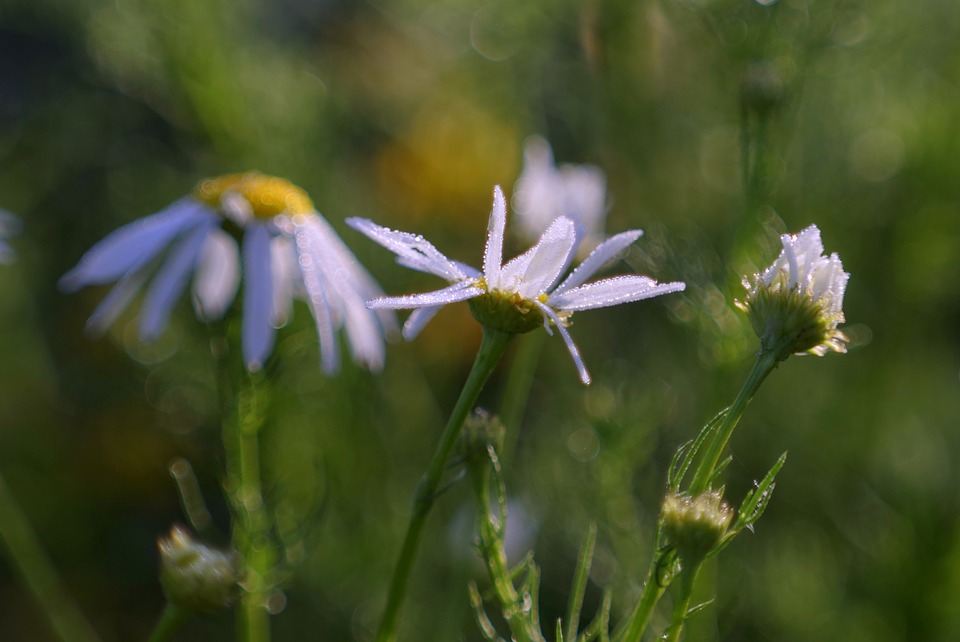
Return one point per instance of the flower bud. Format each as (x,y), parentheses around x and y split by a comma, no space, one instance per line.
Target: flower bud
(195,576)
(695,525)
(796,304)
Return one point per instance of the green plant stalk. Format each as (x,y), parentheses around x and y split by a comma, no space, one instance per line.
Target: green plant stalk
(688,578)
(492,347)
(652,592)
(28,557)
(495,559)
(251,523)
(171,620)
(763,366)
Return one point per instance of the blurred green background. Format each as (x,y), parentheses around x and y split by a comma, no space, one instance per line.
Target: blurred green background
(408,112)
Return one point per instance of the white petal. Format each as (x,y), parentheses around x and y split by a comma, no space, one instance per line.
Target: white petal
(412,250)
(598,258)
(417,320)
(317,299)
(218,276)
(612,291)
(451,294)
(493,252)
(258,335)
(354,286)
(286,276)
(132,246)
(584,193)
(116,301)
(533,272)
(171,280)
(538,192)
(571,346)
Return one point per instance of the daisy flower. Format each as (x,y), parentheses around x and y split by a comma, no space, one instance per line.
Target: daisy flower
(796,304)
(522,294)
(543,192)
(286,250)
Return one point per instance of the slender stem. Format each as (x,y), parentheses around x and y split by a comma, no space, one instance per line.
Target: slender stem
(763,366)
(251,523)
(491,528)
(492,347)
(28,557)
(687,579)
(652,592)
(170,622)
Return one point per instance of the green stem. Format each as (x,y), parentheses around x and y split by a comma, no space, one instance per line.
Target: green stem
(763,366)
(687,579)
(171,621)
(251,523)
(492,347)
(517,615)
(652,592)
(37,572)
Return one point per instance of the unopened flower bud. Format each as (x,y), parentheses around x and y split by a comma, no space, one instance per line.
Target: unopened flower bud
(796,304)
(695,525)
(195,576)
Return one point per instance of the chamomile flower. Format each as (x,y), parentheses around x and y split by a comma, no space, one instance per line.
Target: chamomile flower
(286,250)
(522,294)
(796,304)
(543,192)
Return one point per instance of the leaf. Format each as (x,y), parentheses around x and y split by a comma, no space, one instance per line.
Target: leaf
(687,453)
(756,500)
(580,577)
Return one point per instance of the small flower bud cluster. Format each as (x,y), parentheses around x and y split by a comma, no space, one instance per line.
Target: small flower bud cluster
(194,576)
(796,304)
(695,525)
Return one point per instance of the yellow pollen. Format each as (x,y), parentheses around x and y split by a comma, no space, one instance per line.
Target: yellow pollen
(268,196)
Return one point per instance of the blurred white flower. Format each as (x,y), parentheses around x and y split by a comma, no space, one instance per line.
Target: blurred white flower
(796,304)
(504,296)
(9,226)
(543,192)
(287,249)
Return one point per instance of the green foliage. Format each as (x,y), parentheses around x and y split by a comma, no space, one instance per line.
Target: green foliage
(409,112)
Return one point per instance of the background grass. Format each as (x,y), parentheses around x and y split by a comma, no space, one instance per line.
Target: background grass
(409,112)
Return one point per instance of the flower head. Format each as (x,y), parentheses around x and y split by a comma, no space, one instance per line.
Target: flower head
(286,249)
(521,294)
(543,192)
(195,576)
(695,525)
(796,304)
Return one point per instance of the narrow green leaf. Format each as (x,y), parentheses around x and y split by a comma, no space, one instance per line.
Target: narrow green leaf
(580,577)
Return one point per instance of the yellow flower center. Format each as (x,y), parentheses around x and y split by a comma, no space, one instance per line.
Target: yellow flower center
(268,196)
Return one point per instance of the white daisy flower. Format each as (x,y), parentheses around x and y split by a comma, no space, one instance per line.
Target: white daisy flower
(543,192)
(506,296)
(287,250)
(796,304)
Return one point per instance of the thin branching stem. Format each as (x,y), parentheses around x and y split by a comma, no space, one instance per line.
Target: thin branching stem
(492,347)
